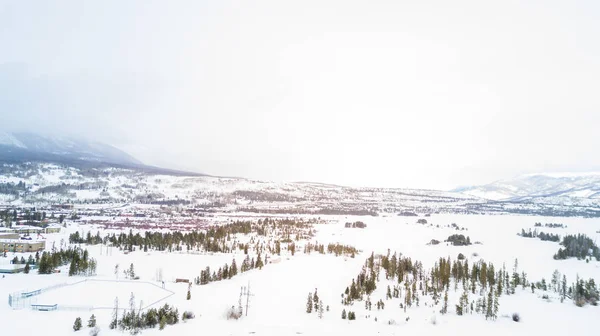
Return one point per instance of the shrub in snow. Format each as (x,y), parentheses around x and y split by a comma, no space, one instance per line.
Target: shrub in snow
(433,320)
(391,322)
(516,317)
(233,314)
(461,256)
(95,331)
(187,315)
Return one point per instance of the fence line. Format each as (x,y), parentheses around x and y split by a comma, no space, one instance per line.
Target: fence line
(19,300)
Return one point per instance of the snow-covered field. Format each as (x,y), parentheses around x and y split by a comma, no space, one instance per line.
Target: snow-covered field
(277,306)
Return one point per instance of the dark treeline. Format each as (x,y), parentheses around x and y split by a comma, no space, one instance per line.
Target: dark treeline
(12,188)
(336,249)
(213,239)
(81,263)
(541,235)
(579,246)
(300,211)
(551,225)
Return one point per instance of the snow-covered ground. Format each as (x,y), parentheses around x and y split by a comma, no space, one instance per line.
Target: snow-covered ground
(279,290)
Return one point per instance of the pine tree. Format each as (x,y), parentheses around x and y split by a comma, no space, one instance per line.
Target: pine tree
(490,305)
(92,321)
(321,309)
(316,300)
(344,314)
(496,306)
(77,324)
(189,294)
(445,305)
(564,288)
(309,303)
(259,263)
(233,269)
(72,267)
(464,302)
(115,317)
(27,268)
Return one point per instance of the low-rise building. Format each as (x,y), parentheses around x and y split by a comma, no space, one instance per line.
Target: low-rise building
(27,229)
(9,235)
(53,228)
(16,245)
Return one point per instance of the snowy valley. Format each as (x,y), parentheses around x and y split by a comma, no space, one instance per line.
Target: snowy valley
(238,257)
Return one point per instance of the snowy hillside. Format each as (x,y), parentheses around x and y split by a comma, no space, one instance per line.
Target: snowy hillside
(30,146)
(45,184)
(555,186)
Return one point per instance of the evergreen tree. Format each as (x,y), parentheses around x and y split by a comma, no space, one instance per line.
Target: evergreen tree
(309,303)
(343,314)
(259,263)
(27,268)
(233,270)
(92,321)
(321,310)
(490,305)
(115,317)
(72,268)
(77,324)
(564,287)
(445,305)
(496,306)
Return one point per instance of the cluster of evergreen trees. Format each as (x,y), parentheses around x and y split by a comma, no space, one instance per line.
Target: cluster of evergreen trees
(354,225)
(541,235)
(314,304)
(579,246)
(336,249)
(12,189)
(77,325)
(364,284)
(350,315)
(414,283)
(76,238)
(81,263)
(134,320)
(551,225)
(22,261)
(585,292)
(228,271)
(459,240)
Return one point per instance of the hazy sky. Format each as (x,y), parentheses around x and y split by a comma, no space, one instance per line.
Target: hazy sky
(430,94)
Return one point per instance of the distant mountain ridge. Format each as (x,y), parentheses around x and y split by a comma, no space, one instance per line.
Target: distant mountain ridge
(537,186)
(23,145)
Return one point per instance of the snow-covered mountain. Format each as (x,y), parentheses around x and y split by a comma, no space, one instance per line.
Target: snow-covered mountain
(576,187)
(23,146)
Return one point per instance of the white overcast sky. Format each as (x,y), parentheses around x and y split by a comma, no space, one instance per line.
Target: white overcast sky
(430,94)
